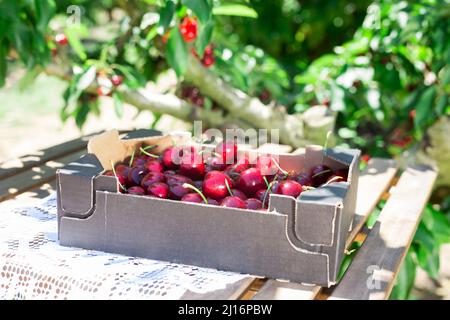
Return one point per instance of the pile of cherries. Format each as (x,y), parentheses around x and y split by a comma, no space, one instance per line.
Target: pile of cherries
(215,177)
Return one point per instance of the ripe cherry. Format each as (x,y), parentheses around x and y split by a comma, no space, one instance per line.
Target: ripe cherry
(174,179)
(116,80)
(253,204)
(168,157)
(152,177)
(228,151)
(266,165)
(233,202)
(136,190)
(154,165)
(289,188)
(216,163)
(192,197)
(188,29)
(238,193)
(193,168)
(121,178)
(320,174)
(214,185)
(159,190)
(304,179)
(122,169)
(61,39)
(177,191)
(342,173)
(135,176)
(250,181)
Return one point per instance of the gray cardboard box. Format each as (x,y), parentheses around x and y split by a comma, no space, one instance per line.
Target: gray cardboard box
(301,240)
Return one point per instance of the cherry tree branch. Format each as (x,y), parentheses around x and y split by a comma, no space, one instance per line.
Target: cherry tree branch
(244,111)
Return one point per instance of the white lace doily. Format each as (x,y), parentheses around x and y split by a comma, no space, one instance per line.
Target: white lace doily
(34,266)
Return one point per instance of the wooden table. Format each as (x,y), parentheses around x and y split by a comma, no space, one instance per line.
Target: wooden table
(372,272)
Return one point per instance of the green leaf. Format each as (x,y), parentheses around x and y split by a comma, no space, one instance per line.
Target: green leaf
(200,8)
(81,113)
(132,78)
(205,36)
(177,52)
(73,34)
(166,15)
(424,237)
(424,108)
(87,78)
(441,104)
(232,9)
(428,260)
(405,278)
(29,78)
(45,9)
(118,104)
(437,223)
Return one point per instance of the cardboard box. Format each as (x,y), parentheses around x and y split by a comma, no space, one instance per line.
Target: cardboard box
(301,240)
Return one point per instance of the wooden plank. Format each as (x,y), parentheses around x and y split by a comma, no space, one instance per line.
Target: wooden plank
(278,290)
(373,182)
(376,177)
(33,178)
(34,159)
(372,273)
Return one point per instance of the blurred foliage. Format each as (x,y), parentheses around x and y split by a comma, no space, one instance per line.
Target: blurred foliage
(381,65)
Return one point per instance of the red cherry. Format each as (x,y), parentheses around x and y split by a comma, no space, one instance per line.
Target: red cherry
(214,185)
(135,176)
(122,169)
(151,178)
(213,202)
(192,197)
(365,158)
(304,179)
(320,174)
(169,173)
(136,190)
(253,204)
(139,161)
(175,179)
(116,80)
(266,165)
(341,173)
(154,165)
(289,188)
(228,151)
(159,190)
(250,181)
(168,156)
(238,193)
(61,39)
(121,179)
(208,61)
(188,28)
(177,191)
(216,163)
(233,202)
(260,196)
(193,167)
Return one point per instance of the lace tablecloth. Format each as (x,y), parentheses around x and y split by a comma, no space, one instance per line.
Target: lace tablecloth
(34,266)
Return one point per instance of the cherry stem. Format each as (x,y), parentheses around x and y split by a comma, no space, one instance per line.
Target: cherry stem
(279,168)
(132,158)
(228,187)
(306,188)
(115,175)
(269,187)
(190,186)
(267,182)
(149,154)
(333,179)
(321,172)
(148,147)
